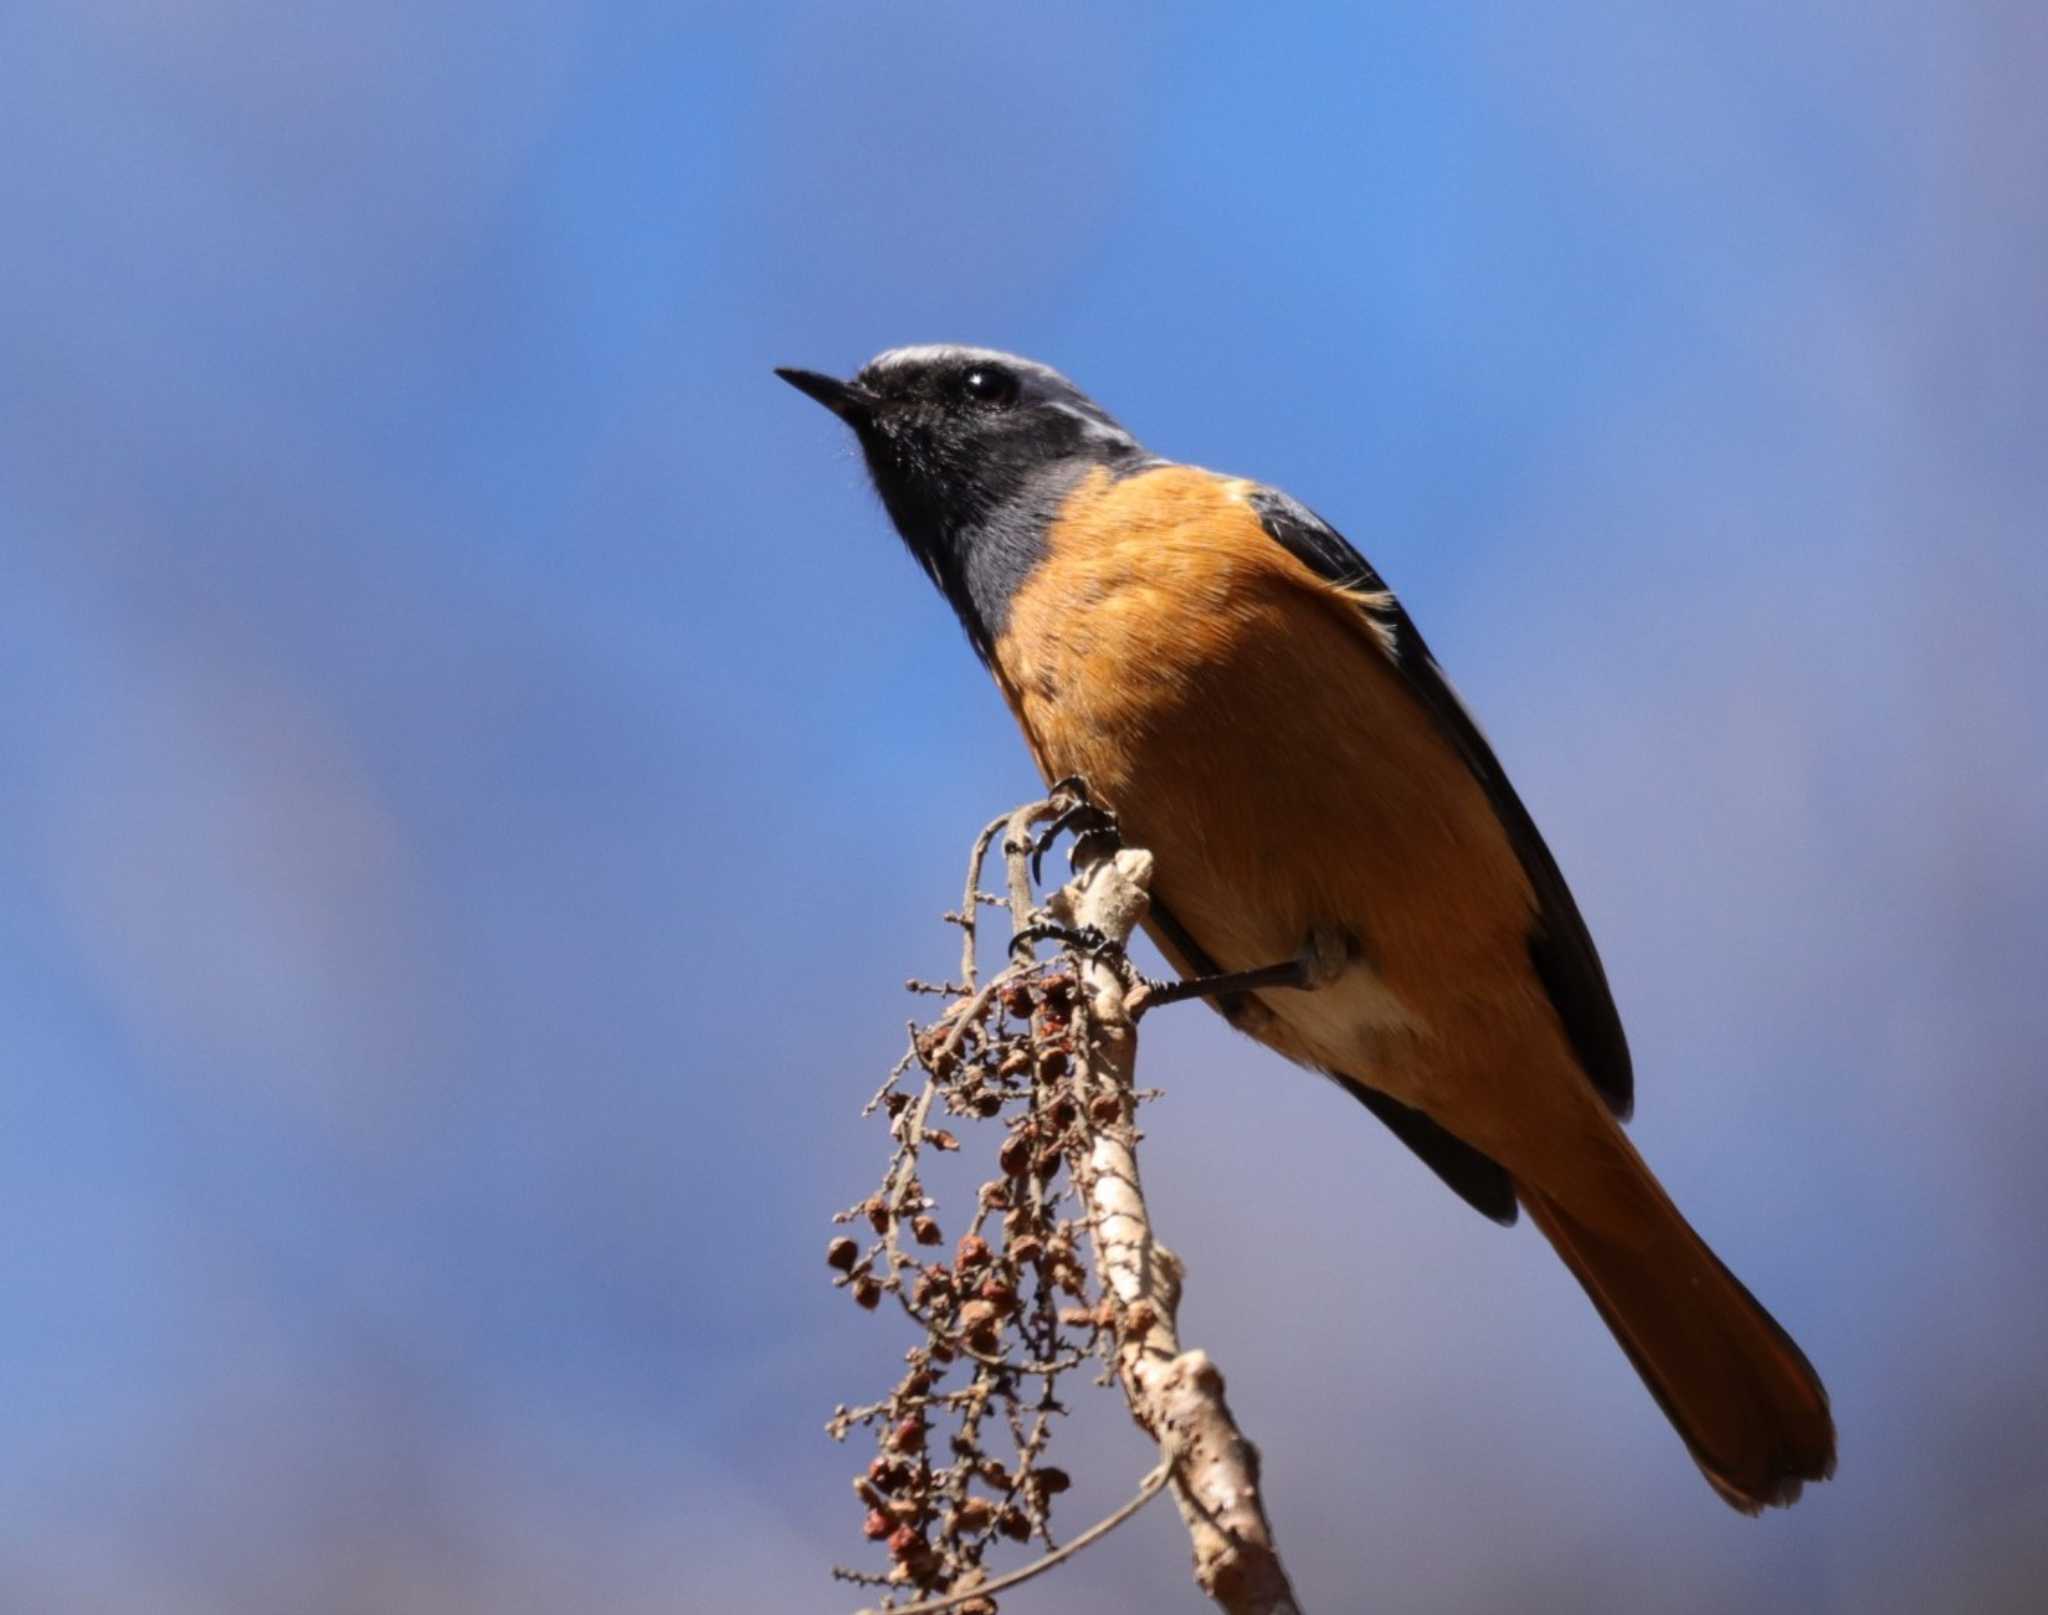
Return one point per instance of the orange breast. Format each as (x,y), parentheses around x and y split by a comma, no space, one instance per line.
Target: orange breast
(1247,724)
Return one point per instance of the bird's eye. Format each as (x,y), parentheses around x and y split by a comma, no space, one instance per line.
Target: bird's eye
(989,384)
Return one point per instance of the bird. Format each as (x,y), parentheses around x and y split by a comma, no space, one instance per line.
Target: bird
(1341,864)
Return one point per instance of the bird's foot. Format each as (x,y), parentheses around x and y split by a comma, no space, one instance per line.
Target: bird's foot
(1080,818)
(1083,939)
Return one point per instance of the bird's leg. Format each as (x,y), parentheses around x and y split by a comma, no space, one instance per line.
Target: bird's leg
(1229,983)
(1321,960)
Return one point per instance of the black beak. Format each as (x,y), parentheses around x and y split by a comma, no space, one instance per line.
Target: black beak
(850,403)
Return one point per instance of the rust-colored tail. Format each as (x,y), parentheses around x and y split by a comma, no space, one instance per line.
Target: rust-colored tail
(1733,1383)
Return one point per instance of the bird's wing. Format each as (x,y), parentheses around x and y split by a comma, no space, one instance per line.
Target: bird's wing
(1559,947)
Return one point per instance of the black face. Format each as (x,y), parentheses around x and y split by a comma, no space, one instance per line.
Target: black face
(953,436)
(972,452)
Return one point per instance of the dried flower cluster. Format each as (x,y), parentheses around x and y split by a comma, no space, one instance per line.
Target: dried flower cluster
(1055,1264)
(1010,1307)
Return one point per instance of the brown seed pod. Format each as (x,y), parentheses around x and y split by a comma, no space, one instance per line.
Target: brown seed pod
(926,1231)
(972,1251)
(940,1139)
(906,1544)
(879,1214)
(1015,1155)
(841,1254)
(998,1293)
(867,1292)
(1050,1481)
(975,1514)
(1015,1524)
(1106,1109)
(877,1525)
(908,1436)
(978,1326)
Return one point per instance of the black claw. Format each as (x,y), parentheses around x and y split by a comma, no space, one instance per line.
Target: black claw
(1084,939)
(1083,818)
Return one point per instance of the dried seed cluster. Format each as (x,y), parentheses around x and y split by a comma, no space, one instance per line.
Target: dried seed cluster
(1006,1312)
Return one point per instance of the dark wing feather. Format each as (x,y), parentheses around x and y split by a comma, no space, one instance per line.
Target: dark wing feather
(1560,948)
(1478,1178)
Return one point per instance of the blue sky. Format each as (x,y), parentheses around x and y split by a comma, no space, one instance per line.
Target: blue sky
(479,768)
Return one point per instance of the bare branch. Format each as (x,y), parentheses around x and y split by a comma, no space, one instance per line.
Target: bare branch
(1017,844)
(1176,1396)
(971,900)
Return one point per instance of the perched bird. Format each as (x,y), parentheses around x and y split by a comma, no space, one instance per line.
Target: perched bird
(1340,861)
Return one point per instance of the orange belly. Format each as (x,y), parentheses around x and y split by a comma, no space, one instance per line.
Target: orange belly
(1247,724)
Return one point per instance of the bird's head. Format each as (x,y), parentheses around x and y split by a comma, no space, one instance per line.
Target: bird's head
(971,451)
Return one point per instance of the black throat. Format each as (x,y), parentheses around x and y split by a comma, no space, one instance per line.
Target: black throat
(981,534)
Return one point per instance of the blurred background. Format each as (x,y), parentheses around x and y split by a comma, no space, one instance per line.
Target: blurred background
(475,766)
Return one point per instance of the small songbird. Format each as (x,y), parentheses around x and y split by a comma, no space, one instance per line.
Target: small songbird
(1340,862)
